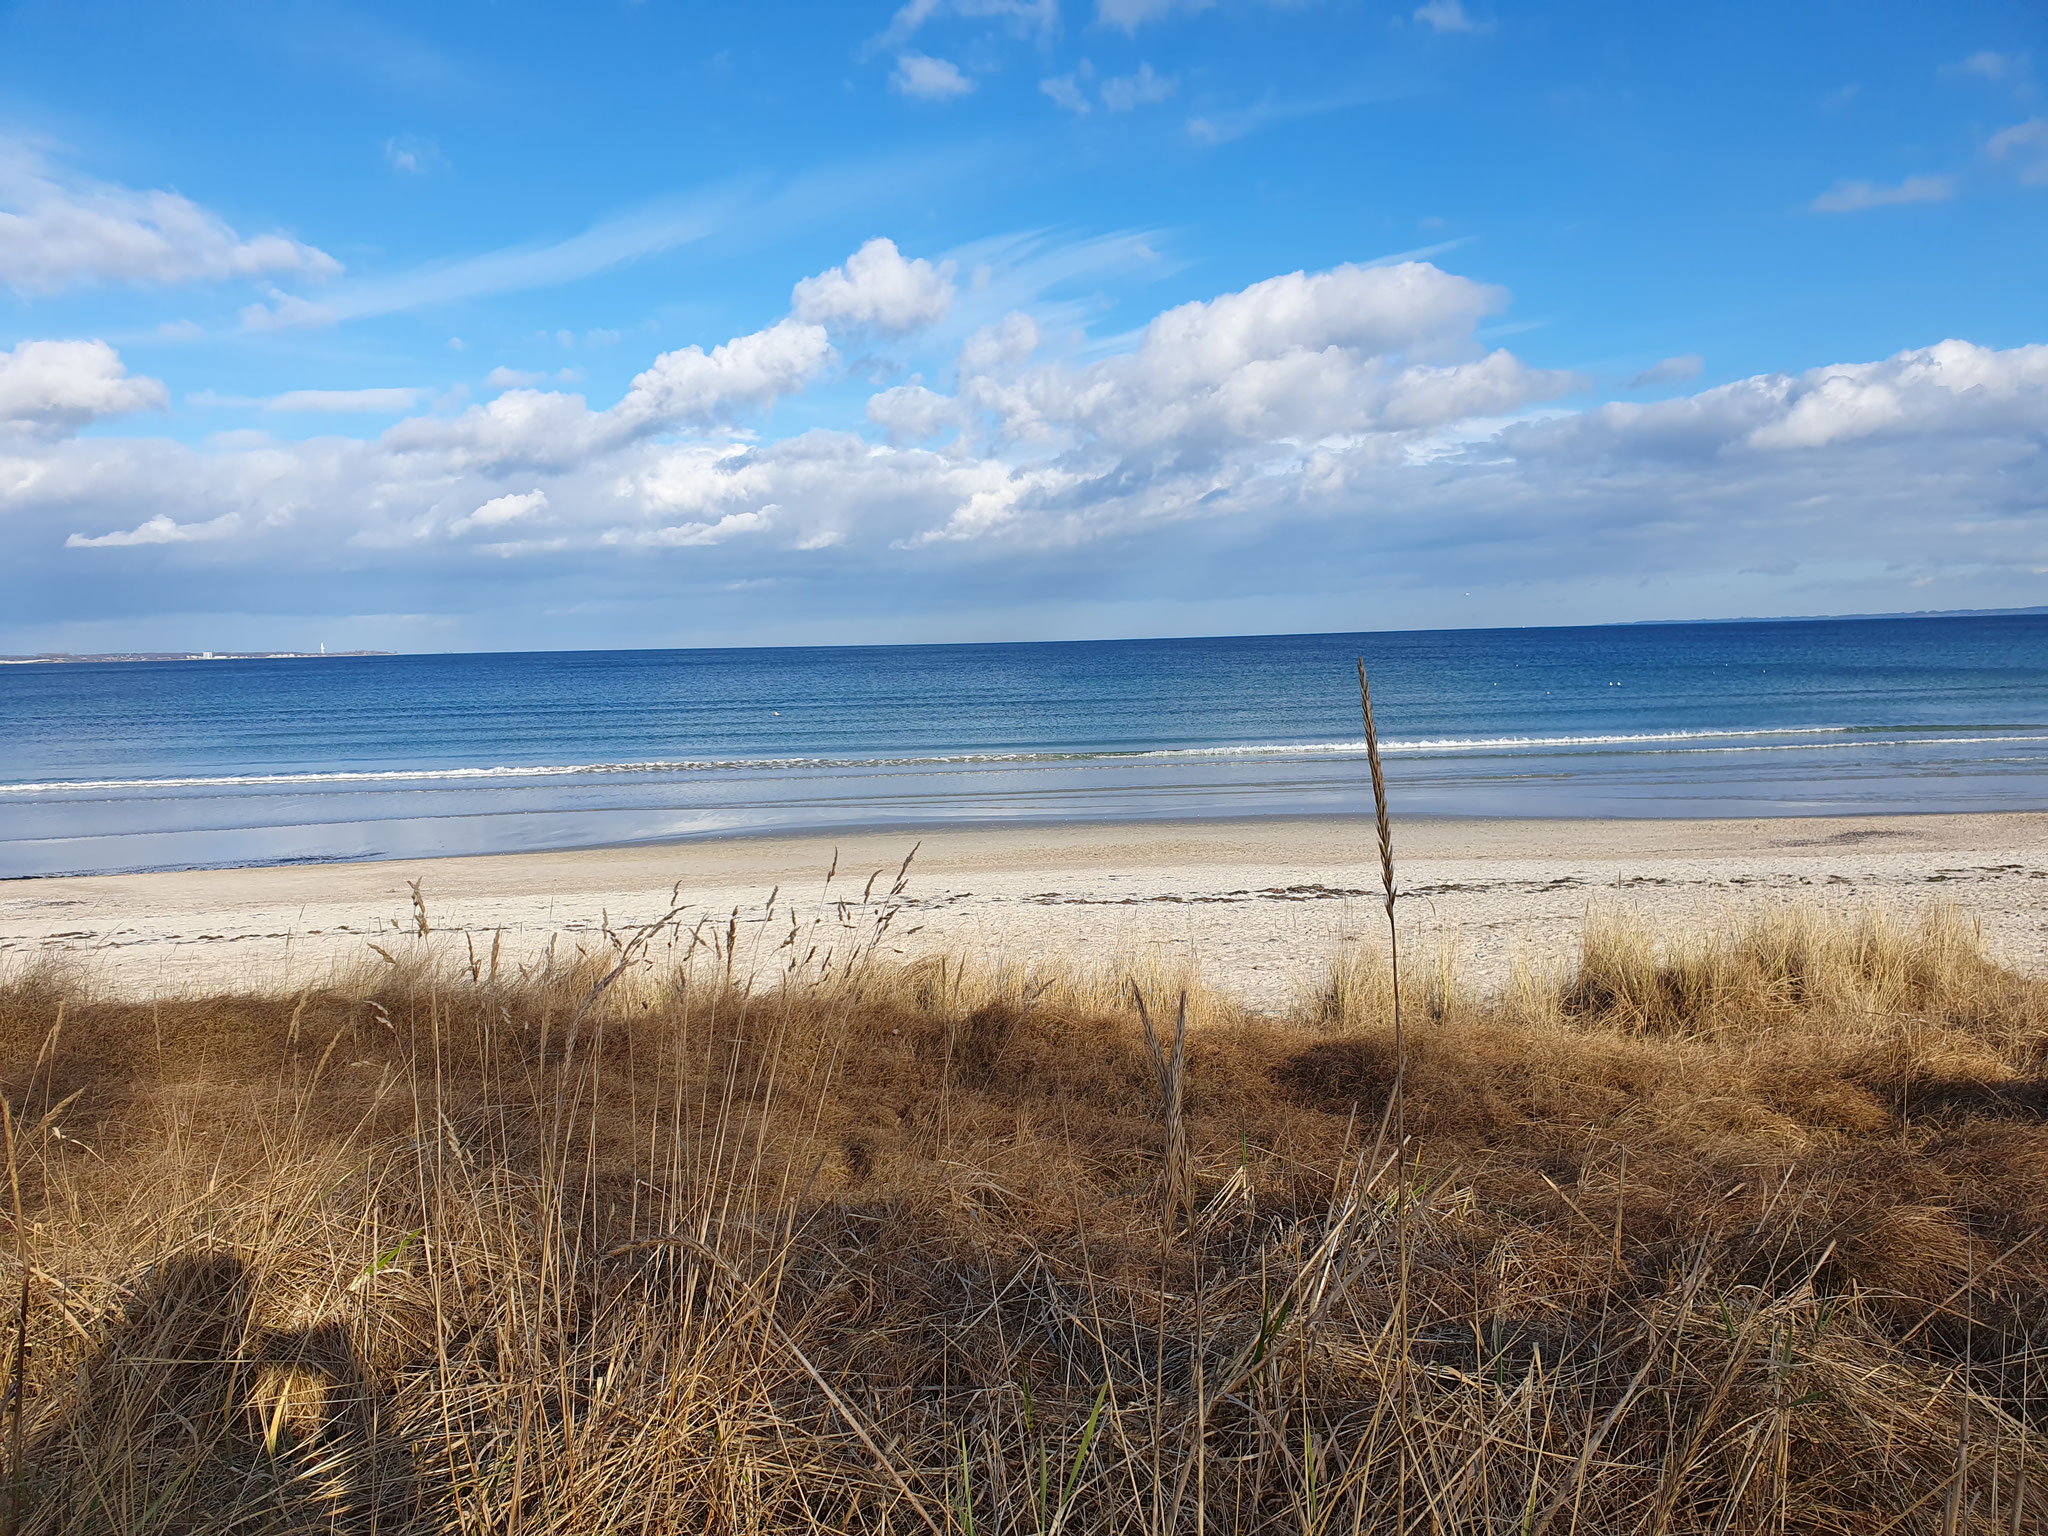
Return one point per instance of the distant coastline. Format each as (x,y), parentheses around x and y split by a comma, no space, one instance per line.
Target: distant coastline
(2036,611)
(59,657)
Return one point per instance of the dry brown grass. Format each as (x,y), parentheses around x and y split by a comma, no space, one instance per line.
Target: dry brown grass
(1730,1233)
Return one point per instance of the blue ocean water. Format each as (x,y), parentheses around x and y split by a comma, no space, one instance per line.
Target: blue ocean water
(123,766)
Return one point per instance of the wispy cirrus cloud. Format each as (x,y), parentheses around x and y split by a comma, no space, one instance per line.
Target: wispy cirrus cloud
(1855,196)
(1220,127)
(2023,146)
(1449,16)
(331,402)
(1672,370)
(735,212)
(1129,15)
(633,236)
(1040,18)
(346,401)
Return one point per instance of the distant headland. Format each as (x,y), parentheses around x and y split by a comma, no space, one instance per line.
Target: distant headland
(68,656)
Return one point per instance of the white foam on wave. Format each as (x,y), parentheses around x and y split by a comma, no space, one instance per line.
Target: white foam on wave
(1496,743)
(1731,739)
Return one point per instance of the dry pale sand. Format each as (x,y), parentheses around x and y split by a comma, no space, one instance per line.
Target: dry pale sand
(1261,903)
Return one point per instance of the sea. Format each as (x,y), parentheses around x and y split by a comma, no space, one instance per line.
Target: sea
(188,764)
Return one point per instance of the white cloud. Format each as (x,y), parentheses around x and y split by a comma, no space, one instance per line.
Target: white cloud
(346,401)
(1672,370)
(53,388)
(1218,391)
(410,155)
(511,378)
(2025,145)
(1065,93)
(1123,93)
(58,231)
(924,78)
(1041,17)
(1342,422)
(1448,16)
(994,347)
(1952,389)
(652,229)
(686,535)
(1993,65)
(877,289)
(160,530)
(692,387)
(500,510)
(1220,127)
(1855,196)
(631,236)
(910,413)
(1133,14)
(688,389)
(1928,389)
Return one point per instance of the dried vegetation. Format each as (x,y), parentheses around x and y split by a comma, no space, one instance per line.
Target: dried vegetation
(1718,1233)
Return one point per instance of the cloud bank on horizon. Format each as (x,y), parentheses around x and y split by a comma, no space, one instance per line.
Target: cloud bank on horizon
(215,429)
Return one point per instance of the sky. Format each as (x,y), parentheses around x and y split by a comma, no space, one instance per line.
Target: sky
(499,325)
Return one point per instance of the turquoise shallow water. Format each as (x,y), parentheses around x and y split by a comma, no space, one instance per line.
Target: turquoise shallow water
(180,764)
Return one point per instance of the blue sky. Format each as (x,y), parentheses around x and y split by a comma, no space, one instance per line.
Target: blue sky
(479,326)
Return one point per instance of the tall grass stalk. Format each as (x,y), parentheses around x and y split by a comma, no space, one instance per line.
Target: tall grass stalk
(1715,1232)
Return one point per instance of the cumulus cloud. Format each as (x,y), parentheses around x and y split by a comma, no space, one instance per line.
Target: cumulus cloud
(59,230)
(692,387)
(910,413)
(877,289)
(53,388)
(924,78)
(1954,388)
(500,510)
(688,389)
(1855,196)
(1353,411)
(686,535)
(1672,370)
(160,530)
(1927,390)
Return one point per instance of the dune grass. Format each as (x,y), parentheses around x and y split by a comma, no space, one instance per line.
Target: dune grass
(1720,1232)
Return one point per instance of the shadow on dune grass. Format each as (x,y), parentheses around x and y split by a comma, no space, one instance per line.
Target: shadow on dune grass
(1722,1232)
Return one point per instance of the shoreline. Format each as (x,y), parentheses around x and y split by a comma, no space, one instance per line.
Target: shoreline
(828,835)
(1259,904)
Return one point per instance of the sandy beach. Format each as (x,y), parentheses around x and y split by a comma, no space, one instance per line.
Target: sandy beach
(1260,903)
